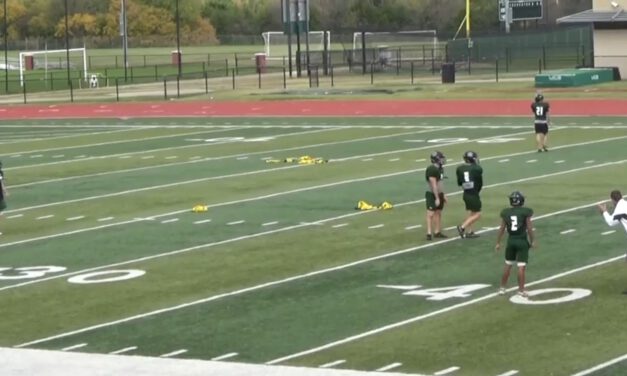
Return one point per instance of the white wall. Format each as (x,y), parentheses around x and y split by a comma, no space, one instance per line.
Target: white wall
(605,5)
(610,49)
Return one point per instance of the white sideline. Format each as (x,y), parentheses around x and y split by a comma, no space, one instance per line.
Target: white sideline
(282,281)
(20,362)
(601,366)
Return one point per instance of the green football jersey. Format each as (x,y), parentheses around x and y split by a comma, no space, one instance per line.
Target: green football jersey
(435,172)
(470,177)
(515,219)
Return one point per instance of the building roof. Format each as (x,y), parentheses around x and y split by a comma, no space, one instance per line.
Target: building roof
(592,16)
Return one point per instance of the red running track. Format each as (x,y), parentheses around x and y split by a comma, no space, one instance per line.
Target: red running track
(362,108)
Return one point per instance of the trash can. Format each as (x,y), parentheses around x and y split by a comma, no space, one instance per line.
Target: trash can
(260,62)
(448,73)
(29,62)
(176,58)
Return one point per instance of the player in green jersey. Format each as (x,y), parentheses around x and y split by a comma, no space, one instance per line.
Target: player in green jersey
(434,195)
(470,178)
(541,121)
(517,221)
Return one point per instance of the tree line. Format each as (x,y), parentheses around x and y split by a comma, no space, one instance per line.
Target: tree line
(207,21)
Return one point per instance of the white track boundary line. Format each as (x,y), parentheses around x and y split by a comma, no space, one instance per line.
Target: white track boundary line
(438,312)
(601,366)
(299,277)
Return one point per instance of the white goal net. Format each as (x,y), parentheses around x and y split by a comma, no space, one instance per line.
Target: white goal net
(395,46)
(53,60)
(276,42)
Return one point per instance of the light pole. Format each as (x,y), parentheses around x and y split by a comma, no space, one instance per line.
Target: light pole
(178,51)
(123,32)
(6,47)
(67,51)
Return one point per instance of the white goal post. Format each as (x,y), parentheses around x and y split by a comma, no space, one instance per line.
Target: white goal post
(46,53)
(396,39)
(275,42)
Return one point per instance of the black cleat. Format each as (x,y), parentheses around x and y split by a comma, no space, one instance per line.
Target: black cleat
(461,232)
(539,150)
(545,149)
(440,235)
(472,235)
(429,237)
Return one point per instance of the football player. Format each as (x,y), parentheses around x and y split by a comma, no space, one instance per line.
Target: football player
(540,110)
(517,221)
(470,178)
(434,195)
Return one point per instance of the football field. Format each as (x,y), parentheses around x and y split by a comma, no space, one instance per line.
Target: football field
(101,252)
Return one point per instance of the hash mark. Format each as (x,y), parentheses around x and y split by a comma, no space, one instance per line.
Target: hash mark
(389,367)
(173,353)
(126,349)
(333,364)
(225,356)
(74,347)
(446,371)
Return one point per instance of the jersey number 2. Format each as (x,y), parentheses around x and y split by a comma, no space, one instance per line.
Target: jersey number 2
(514,223)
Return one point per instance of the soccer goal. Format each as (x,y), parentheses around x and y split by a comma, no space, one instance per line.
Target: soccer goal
(52,60)
(275,42)
(392,48)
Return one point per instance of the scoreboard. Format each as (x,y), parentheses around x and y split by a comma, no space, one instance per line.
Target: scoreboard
(520,9)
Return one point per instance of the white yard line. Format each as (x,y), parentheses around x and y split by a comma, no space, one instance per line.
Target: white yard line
(205,159)
(608,232)
(567,231)
(376,226)
(75,218)
(413,227)
(270,223)
(138,139)
(255,235)
(202,221)
(438,312)
(131,191)
(296,278)
(601,366)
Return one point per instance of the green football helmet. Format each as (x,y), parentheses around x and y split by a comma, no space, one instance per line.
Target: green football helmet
(438,158)
(471,157)
(516,199)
